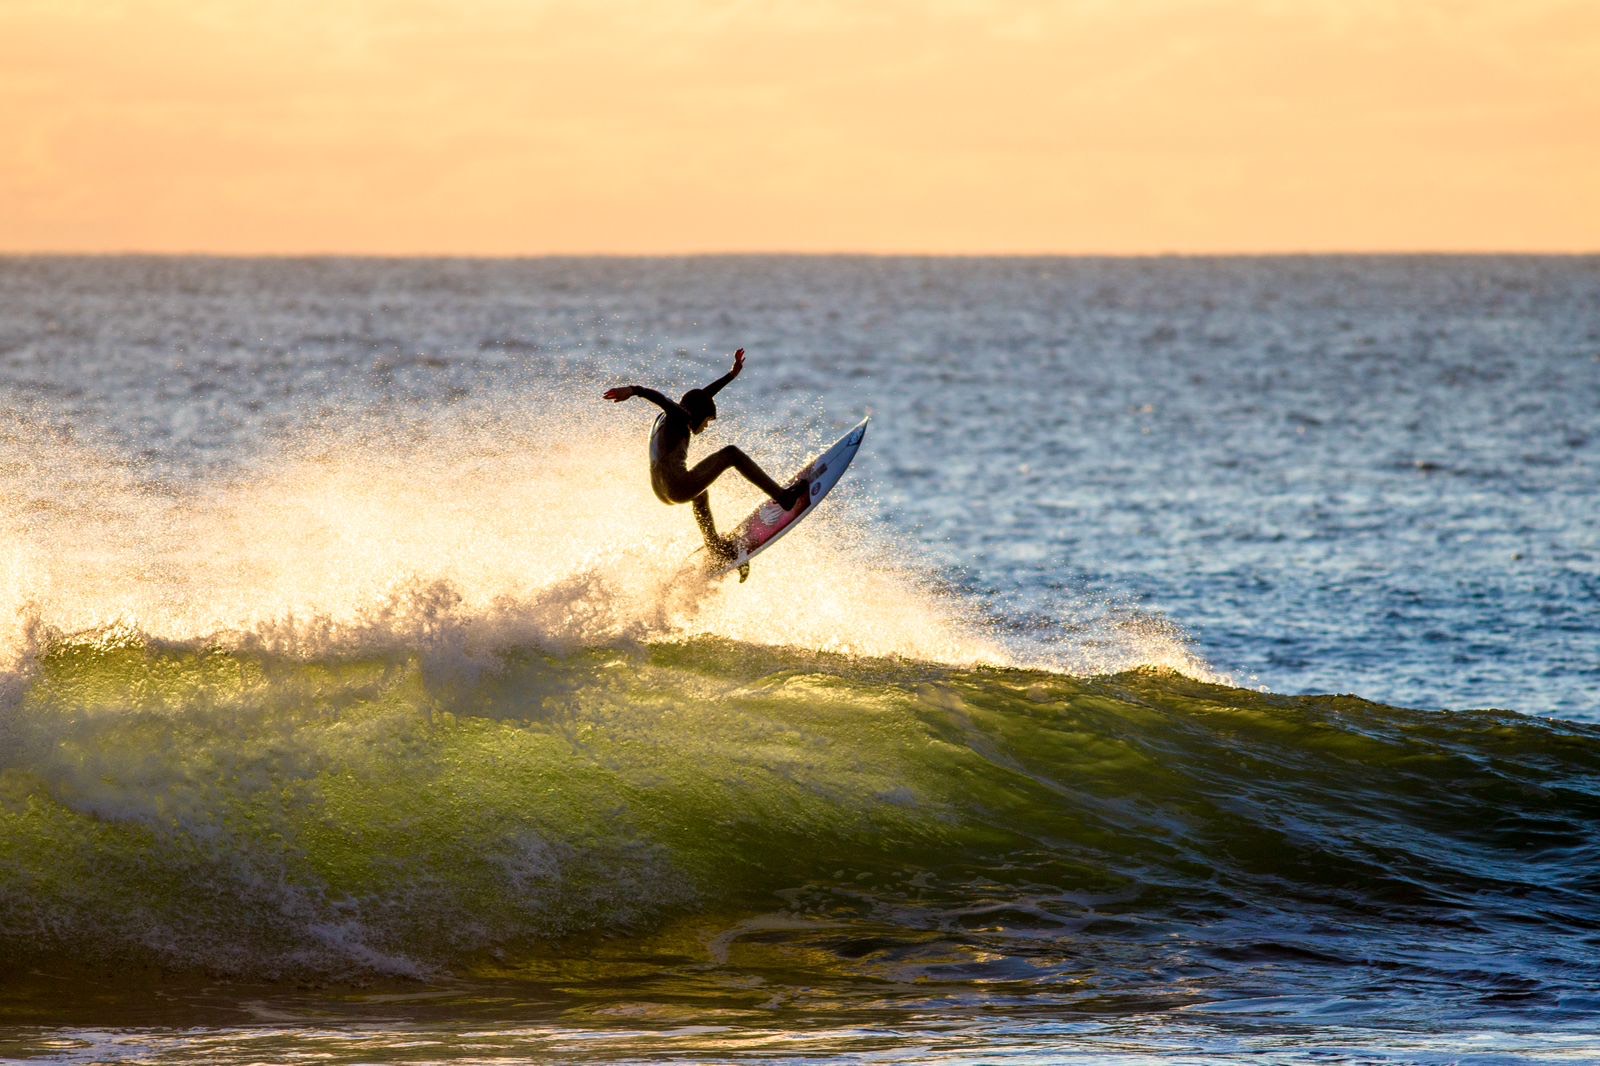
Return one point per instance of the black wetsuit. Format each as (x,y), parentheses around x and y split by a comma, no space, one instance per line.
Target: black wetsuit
(675,481)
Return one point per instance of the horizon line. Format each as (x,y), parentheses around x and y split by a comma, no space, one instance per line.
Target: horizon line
(53,253)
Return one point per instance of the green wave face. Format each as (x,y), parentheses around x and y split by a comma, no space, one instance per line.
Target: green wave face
(257,816)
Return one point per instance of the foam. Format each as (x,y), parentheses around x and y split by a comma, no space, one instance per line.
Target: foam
(459,531)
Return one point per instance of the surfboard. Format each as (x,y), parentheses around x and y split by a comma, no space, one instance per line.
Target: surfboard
(768,522)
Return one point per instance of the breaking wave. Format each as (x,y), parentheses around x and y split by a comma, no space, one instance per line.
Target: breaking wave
(443,696)
(259,814)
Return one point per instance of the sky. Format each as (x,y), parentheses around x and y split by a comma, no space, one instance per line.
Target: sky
(530,127)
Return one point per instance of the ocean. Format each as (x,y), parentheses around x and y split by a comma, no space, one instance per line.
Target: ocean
(1199,663)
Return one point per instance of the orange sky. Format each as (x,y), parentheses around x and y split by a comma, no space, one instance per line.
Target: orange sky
(506,127)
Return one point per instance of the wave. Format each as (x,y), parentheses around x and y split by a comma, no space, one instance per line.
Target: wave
(262,814)
(440,696)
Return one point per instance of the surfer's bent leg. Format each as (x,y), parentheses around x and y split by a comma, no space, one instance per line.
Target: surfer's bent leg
(708,529)
(717,463)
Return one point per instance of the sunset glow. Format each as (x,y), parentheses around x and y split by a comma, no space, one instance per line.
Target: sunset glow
(508,127)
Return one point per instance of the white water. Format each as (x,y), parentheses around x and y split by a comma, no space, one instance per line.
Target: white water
(463,532)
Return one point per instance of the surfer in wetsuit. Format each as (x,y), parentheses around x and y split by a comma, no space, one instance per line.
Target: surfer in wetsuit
(670,474)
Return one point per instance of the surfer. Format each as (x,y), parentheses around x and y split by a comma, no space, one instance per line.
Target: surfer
(671,476)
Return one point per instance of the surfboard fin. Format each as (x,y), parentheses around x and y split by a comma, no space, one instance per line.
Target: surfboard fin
(744,572)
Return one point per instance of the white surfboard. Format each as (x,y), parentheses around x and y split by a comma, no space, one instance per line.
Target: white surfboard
(769,521)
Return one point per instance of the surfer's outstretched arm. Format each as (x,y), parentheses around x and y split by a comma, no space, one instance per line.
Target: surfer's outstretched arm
(624,392)
(738,365)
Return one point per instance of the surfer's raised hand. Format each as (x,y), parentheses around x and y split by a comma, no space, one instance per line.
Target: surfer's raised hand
(738,362)
(620,393)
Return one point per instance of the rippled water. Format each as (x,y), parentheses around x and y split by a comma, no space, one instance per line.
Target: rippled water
(356,704)
(1338,474)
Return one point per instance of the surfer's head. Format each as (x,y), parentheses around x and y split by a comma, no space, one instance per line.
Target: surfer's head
(701,407)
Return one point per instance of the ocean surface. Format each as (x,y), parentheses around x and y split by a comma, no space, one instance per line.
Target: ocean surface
(1200,663)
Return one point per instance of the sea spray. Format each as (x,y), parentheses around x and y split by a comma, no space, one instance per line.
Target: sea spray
(457,531)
